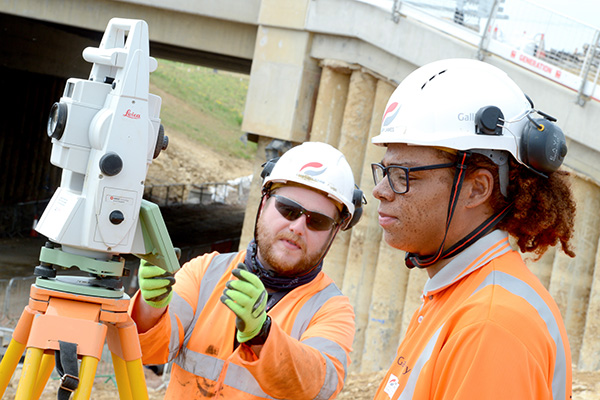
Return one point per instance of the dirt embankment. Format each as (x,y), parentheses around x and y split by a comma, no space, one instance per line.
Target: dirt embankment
(186,161)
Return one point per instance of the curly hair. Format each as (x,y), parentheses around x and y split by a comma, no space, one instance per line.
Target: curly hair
(543,210)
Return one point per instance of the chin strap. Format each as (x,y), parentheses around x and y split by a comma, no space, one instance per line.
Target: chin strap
(416,260)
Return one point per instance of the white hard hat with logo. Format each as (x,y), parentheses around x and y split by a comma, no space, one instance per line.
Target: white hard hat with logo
(319,166)
(467,104)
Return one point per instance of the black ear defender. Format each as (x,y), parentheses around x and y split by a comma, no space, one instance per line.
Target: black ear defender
(543,145)
(358,199)
(268,167)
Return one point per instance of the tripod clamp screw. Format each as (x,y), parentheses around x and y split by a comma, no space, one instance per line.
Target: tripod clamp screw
(69,382)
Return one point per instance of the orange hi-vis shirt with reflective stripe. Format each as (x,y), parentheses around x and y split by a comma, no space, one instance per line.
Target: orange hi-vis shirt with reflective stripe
(487,329)
(304,357)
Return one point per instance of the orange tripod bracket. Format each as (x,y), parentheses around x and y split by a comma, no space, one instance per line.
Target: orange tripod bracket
(54,316)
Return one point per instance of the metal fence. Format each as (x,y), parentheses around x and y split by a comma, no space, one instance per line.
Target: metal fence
(19,219)
(231,192)
(14,296)
(550,44)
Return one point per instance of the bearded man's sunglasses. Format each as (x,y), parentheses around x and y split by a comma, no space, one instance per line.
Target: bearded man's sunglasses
(291,211)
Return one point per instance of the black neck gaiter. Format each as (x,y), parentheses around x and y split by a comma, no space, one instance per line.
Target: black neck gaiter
(274,281)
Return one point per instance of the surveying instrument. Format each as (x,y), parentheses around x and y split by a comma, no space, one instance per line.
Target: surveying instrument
(105,133)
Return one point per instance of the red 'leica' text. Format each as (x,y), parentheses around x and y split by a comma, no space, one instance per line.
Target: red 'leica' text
(131,114)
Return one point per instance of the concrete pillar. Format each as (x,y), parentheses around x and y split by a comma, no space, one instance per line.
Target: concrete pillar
(331,101)
(589,358)
(386,310)
(283,85)
(282,88)
(355,136)
(357,119)
(361,263)
(572,277)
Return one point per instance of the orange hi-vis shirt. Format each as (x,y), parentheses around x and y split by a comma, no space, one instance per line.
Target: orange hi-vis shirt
(304,357)
(487,329)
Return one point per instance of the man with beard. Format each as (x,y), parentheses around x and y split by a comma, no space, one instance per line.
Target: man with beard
(265,322)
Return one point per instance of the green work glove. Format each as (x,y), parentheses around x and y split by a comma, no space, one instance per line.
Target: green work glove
(247,298)
(155,284)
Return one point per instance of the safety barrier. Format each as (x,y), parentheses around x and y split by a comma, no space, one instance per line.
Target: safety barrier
(550,44)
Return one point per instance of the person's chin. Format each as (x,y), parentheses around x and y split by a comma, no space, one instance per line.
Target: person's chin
(393,240)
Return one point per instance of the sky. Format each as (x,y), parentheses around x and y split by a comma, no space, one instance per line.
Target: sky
(529,19)
(566,25)
(586,11)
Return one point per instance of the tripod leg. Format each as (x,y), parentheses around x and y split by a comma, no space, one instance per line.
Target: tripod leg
(123,383)
(135,370)
(9,363)
(87,373)
(29,374)
(15,349)
(124,342)
(46,367)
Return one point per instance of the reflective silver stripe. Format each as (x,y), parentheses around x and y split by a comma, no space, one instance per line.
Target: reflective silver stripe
(498,250)
(331,377)
(310,308)
(523,290)
(210,368)
(184,311)
(180,308)
(199,364)
(241,379)
(305,315)
(489,247)
(411,383)
(214,272)
(330,347)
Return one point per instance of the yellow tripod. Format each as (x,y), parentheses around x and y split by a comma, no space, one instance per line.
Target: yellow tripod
(88,321)
(85,312)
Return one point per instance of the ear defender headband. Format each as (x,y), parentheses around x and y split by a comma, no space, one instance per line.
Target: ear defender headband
(542,147)
(358,198)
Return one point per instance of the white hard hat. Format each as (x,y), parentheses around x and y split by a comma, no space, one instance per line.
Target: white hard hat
(319,166)
(441,104)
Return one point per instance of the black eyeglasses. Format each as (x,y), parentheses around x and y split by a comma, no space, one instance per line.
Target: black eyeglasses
(398,175)
(291,211)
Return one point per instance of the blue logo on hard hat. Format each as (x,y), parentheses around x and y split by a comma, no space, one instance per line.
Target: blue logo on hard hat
(390,113)
(313,169)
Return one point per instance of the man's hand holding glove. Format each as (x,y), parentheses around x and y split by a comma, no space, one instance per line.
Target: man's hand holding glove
(155,284)
(247,298)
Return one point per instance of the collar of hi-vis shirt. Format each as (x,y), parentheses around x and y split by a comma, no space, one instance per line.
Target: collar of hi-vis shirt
(471,259)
